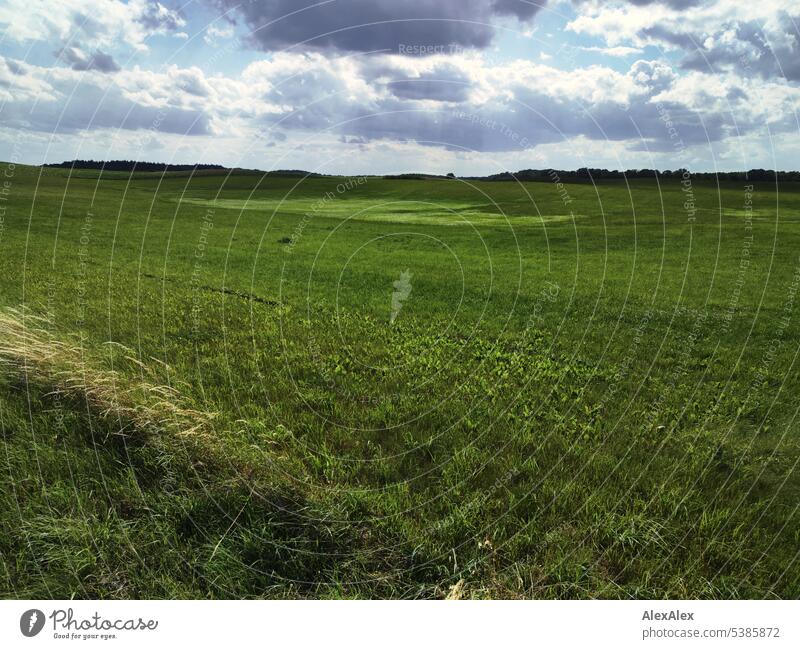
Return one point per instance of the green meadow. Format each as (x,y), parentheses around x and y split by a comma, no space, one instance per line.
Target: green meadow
(239,385)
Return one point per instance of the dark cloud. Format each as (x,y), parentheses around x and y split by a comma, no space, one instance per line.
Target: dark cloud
(518,116)
(370,25)
(648,121)
(99,61)
(14,67)
(672,4)
(522,118)
(520,9)
(678,39)
(443,83)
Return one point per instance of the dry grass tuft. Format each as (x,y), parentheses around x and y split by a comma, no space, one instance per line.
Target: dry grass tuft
(457,590)
(30,349)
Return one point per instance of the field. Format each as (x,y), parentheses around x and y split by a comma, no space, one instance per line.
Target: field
(257,386)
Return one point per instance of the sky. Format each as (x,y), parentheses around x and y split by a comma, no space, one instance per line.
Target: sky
(471,87)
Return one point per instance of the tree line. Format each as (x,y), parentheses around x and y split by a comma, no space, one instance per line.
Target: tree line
(585,174)
(129,165)
(589,174)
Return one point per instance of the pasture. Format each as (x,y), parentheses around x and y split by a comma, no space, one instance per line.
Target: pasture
(239,385)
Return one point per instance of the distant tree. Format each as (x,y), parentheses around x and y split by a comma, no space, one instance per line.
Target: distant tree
(130,165)
(451,175)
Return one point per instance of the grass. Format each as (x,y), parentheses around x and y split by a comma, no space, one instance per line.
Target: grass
(31,351)
(204,392)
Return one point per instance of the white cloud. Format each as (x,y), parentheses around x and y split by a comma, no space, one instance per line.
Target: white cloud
(722,34)
(215,33)
(89,23)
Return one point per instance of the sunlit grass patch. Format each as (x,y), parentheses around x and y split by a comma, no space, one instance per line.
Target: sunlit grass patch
(374,210)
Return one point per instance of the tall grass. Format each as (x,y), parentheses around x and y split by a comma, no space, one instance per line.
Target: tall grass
(31,350)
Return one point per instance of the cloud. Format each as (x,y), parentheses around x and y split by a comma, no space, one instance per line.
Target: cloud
(751,48)
(192,81)
(715,36)
(521,105)
(98,61)
(451,99)
(520,9)
(17,85)
(157,18)
(443,83)
(673,4)
(613,51)
(215,33)
(655,76)
(494,108)
(95,24)
(374,25)
(663,35)
(94,108)
(14,66)
(61,100)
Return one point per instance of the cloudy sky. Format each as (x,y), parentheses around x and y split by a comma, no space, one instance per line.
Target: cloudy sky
(382,86)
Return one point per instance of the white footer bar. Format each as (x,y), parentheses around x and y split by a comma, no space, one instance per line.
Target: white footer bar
(155,624)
